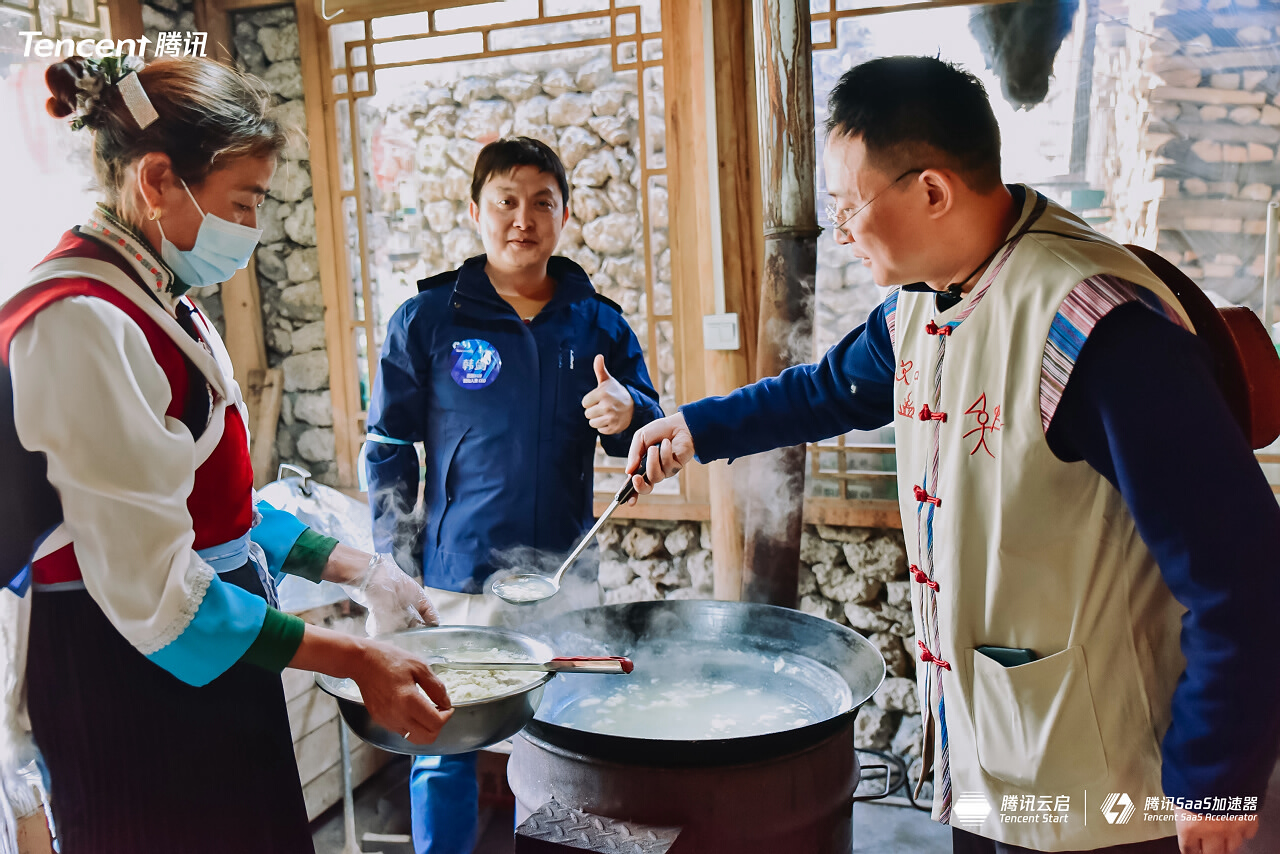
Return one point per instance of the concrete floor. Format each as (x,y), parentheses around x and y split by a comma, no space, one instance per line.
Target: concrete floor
(382,808)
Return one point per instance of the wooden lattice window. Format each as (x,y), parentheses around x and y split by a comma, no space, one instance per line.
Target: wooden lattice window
(409,101)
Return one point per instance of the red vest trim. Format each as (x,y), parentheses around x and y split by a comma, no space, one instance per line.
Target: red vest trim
(221,499)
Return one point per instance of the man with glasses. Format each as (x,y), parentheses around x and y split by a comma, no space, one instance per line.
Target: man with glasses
(1092,543)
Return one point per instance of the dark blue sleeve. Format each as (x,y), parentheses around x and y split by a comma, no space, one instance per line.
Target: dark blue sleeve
(851,388)
(625,362)
(396,411)
(1142,407)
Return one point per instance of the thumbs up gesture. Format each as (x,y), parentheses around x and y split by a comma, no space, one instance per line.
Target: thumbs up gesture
(609,406)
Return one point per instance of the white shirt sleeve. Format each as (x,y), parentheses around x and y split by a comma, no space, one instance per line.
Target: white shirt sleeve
(89,394)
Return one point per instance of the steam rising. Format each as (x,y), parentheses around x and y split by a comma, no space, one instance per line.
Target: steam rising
(401,524)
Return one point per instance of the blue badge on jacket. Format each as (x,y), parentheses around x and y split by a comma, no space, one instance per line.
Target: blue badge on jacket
(475,363)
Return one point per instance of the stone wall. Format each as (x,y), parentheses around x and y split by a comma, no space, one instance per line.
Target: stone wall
(265,43)
(853,576)
(167,16)
(288,262)
(1204,118)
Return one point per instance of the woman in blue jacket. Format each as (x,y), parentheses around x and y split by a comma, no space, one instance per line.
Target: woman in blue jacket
(507,370)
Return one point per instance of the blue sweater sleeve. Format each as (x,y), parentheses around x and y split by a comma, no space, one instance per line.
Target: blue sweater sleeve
(625,362)
(396,408)
(851,388)
(276,534)
(221,631)
(1142,407)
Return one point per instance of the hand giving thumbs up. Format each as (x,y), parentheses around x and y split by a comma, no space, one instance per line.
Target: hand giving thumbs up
(609,406)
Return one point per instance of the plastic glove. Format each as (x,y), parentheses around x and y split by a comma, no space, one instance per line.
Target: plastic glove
(393,599)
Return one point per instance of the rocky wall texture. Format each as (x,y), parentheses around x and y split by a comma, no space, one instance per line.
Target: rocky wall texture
(1201,147)
(167,16)
(265,43)
(853,576)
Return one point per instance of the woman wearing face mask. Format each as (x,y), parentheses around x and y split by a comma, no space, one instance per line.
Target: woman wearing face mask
(155,652)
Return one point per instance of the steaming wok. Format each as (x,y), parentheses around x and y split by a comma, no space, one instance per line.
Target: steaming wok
(711,641)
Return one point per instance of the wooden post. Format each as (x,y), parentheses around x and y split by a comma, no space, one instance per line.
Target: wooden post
(784,98)
(242,311)
(742,230)
(125,17)
(213,18)
(340,344)
(710,111)
(263,396)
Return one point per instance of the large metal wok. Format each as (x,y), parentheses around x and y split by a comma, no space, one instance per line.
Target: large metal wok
(713,628)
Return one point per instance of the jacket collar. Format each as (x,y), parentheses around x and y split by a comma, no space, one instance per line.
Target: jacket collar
(473,286)
(109,229)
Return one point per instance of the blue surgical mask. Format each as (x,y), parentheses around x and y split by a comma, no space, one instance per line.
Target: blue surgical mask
(220,249)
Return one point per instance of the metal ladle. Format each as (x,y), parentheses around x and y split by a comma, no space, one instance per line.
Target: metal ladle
(528,588)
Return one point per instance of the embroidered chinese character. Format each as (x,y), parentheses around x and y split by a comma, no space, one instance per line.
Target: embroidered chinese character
(904,371)
(986,424)
(907,408)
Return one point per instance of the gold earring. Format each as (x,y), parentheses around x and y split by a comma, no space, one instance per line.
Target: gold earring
(154,215)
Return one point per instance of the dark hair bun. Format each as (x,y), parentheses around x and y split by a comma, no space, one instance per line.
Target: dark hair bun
(61,78)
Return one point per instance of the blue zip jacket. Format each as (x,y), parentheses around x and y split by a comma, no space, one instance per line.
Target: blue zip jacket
(497,403)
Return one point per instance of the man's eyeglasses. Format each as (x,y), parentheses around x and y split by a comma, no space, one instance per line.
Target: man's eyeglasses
(840,218)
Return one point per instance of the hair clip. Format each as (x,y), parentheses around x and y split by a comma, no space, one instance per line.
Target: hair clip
(115,70)
(136,100)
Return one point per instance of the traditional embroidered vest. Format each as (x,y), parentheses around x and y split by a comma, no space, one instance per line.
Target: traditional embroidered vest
(1012,547)
(220,502)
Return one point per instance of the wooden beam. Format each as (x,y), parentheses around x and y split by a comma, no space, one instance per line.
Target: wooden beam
(650,509)
(847,513)
(265,393)
(214,18)
(313,37)
(242,312)
(689,211)
(711,183)
(125,17)
(742,228)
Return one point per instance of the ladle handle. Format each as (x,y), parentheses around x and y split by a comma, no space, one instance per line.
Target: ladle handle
(629,489)
(591,664)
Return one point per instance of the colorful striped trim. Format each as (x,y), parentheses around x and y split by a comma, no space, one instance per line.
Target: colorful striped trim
(984,285)
(1088,302)
(138,254)
(891,317)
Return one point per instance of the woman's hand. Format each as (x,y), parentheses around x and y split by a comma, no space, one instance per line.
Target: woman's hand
(609,406)
(392,681)
(394,600)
